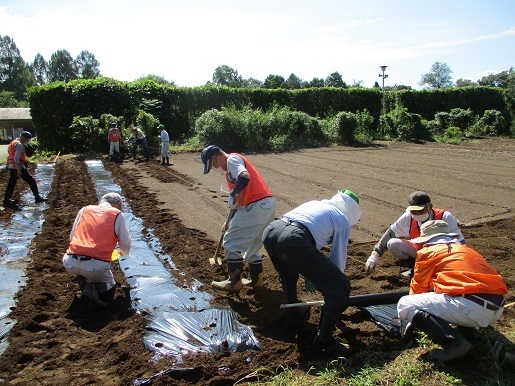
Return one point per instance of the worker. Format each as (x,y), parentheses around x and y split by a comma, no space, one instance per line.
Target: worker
(164,138)
(114,138)
(397,238)
(451,284)
(293,243)
(255,208)
(95,233)
(139,140)
(17,165)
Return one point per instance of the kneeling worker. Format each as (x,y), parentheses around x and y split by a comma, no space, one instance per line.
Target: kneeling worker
(452,284)
(96,231)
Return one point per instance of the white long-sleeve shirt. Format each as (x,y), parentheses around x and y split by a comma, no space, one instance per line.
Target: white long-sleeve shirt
(328,226)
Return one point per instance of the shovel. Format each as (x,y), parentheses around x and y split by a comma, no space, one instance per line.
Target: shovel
(215,259)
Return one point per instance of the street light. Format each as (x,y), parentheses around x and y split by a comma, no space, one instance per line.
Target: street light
(383,69)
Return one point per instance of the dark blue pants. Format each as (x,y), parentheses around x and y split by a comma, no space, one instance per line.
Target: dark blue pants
(13,177)
(293,252)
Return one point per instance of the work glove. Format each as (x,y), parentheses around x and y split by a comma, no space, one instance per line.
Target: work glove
(309,287)
(372,261)
(233,201)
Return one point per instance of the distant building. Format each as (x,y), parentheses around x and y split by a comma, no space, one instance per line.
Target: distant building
(13,121)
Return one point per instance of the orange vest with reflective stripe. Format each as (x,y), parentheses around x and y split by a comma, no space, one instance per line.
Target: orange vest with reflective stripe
(256,188)
(414,229)
(454,269)
(94,235)
(11,151)
(114,134)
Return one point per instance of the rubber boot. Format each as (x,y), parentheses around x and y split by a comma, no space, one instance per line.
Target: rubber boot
(256,276)
(324,338)
(168,160)
(453,344)
(233,283)
(163,161)
(91,292)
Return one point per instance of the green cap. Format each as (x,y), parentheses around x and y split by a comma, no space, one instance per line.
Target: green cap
(351,194)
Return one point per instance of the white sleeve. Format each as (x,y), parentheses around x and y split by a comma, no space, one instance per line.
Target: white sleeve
(235,166)
(122,232)
(453,224)
(401,226)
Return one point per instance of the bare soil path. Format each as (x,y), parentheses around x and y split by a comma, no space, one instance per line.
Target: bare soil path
(57,340)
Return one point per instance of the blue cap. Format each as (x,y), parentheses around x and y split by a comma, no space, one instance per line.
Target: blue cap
(26,134)
(206,155)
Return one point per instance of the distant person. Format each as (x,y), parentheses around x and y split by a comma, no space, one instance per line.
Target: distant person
(397,238)
(293,243)
(17,165)
(114,138)
(95,233)
(164,138)
(255,208)
(139,140)
(452,284)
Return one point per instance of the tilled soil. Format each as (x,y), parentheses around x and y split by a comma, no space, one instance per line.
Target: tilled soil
(59,339)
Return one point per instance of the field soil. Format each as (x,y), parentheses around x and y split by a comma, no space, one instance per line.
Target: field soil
(59,339)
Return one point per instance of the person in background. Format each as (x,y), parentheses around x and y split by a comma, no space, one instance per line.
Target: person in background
(451,284)
(293,243)
(165,144)
(17,164)
(139,140)
(95,233)
(255,208)
(114,138)
(397,238)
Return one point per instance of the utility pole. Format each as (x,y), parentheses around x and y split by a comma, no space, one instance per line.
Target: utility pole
(383,75)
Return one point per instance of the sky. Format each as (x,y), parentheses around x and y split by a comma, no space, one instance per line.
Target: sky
(184,41)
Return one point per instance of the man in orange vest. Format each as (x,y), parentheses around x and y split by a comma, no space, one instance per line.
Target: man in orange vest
(397,238)
(96,232)
(255,209)
(17,165)
(114,141)
(452,284)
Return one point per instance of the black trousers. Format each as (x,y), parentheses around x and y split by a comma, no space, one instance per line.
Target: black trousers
(13,178)
(143,144)
(292,252)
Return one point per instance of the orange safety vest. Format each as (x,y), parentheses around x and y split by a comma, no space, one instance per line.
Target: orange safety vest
(256,188)
(94,235)
(114,134)
(454,269)
(414,229)
(11,151)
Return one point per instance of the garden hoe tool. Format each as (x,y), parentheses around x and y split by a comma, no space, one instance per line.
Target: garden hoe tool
(215,259)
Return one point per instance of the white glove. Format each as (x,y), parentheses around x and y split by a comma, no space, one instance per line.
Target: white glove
(372,261)
(233,201)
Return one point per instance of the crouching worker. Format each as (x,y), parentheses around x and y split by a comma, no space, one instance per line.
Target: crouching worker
(293,243)
(94,235)
(452,284)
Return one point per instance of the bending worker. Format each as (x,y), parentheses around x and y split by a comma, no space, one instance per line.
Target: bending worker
(94,235)
(255,209)
(452,284)
(293,243)
(397,238)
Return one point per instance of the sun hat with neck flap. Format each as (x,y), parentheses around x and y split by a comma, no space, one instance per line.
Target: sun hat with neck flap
(434,228)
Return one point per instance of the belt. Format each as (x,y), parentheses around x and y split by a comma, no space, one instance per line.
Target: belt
(300,226)
(81,257)
(492,302)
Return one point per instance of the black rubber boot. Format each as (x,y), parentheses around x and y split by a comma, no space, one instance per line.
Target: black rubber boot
(168,160)
(233,282)
(453,344)
(256,276)
(163,162)
(324,338)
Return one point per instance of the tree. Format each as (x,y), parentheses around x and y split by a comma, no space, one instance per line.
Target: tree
(227,76)
(15,74)
(465,82)
(158,79)
(61,67)
(496,80)
(317,82)
(335,80)
(273,81)
(438,77)
(39,69)
(252,83)
(294,82)
(87,66)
